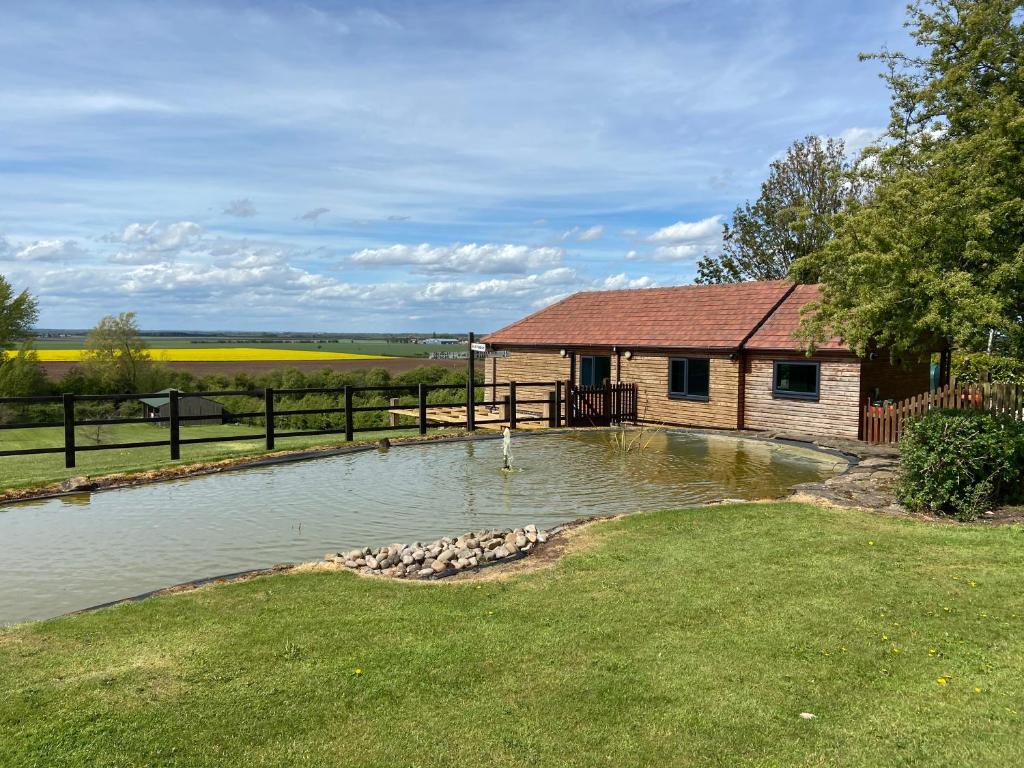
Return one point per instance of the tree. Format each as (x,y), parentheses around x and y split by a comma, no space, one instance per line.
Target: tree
(791,218)
(17,316)
(934,256)
(20,374)
(116,356)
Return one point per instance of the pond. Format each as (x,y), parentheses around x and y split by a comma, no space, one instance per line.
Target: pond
(64,554)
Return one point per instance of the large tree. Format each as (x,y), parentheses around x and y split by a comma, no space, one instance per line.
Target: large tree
(20,374)
(116,357)
(791,218)
(935,255)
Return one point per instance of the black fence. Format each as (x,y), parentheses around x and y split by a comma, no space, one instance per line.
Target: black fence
(560,404)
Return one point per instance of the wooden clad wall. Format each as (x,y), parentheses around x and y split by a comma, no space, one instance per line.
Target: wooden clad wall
(836,412)
(526,365)
(650,372)
(894,382)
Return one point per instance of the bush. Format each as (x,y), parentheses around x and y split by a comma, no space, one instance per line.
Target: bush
(970,367)
(961,463)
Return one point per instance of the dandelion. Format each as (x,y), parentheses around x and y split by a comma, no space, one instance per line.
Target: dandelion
(973,583)
(871,543)
(946,609)
(895,649)
(942,680)
(358,671)
(931,651)
(977,690)
(885,637)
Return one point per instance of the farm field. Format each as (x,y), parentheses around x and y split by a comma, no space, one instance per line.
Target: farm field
(672,638)
(24,471)
(349,346)
(216,354)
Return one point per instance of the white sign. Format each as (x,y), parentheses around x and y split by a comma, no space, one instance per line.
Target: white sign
(477,346)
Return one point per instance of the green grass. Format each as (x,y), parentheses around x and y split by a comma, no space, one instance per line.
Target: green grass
(687,638)
(24,471)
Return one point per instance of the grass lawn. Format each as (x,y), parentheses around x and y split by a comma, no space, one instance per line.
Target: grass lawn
(22,471)
(694,637)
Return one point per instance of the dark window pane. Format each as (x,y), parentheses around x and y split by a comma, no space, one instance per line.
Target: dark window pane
(587,371)
(602,369)
(698,378)
(798,378)
(677,377)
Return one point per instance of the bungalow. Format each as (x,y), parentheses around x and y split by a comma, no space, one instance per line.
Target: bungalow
(718,356)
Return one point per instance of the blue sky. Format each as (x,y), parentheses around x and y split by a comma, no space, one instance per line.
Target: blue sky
(407,166)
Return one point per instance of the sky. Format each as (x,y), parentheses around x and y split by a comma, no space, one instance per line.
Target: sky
(400,166)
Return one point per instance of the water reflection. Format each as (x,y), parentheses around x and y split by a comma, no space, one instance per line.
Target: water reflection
(66,553)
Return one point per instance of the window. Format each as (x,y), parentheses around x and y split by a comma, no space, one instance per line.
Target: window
(689,378)
(797,381)
(594,369)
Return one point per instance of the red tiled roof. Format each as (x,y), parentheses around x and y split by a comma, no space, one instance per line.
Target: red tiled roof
(684,317)
(777,332)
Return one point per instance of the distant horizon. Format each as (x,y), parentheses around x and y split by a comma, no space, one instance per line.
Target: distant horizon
(414,165)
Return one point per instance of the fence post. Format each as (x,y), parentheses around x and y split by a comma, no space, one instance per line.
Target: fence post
(348,413)
(511,405)
(421,394)
(268,416)
(505,400)
(393,417)
(471,386)
(69,430)
(552,409)
(174,424)
(558,404)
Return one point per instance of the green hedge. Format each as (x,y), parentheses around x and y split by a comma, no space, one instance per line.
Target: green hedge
(970,367)
(961,463)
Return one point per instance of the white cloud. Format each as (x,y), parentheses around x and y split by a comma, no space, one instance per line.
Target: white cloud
(584,235)
(622,281)
(682,252)
(242,208)
(689,231)
(159,237)
(36,104)
(50,250)
(489,258)
(856,139)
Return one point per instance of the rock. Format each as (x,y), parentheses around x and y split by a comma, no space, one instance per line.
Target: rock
(383,444)
(355,554)
(371,562)
(542,536)
(329,557)
(471,543)
(520,541)
(531,536)
(488,556)
(418,555)
(459,564)
(360,562)
(425,573)
(473,562)
(531,528)
(447,555)
(411,569)
(807,716)
(501,552)
(351,564)
(439,565)
(407,560)
(77,483)
(510,538)
(464,554)
(492,543)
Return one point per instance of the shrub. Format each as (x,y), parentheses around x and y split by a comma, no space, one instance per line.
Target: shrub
(961,463)
(970,367)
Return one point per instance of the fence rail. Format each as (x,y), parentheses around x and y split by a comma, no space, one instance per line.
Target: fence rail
(562,404)
(886,423)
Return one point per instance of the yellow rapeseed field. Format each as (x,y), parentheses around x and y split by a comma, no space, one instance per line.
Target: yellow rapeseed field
(215,355)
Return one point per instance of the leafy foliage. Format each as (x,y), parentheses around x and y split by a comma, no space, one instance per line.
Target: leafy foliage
(935,253)
(791,218)
(971,367)
(21,375)
(961,462)
(116,355)
(18,313)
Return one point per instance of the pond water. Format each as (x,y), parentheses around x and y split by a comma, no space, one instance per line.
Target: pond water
(68,553)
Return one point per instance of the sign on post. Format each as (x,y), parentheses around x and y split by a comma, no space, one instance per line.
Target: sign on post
(478,346)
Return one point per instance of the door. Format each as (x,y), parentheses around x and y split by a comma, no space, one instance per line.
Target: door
(594,369)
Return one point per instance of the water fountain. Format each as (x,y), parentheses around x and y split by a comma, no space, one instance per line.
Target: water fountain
(506,449)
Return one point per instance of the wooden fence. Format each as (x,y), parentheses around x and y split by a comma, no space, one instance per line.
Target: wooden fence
(885,423)
(618,402)
(602,405)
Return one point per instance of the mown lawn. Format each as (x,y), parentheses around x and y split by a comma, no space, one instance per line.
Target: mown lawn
(23,471)
(693,637)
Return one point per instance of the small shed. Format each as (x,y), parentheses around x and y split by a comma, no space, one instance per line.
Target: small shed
(188,405)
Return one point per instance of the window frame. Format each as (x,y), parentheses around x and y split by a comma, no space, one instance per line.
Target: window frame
(784,394)
(685,395)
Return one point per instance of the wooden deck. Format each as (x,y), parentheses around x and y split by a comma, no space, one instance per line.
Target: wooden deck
(494,419)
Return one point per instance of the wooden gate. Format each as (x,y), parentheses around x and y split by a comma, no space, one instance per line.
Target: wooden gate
(600,406)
